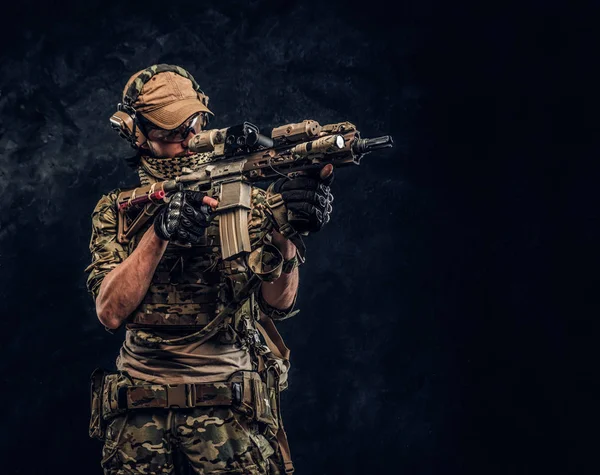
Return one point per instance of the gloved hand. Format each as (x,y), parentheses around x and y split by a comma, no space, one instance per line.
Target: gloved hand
(308,200)
(184,219)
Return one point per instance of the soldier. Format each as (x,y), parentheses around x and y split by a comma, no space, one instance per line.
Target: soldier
(189,397)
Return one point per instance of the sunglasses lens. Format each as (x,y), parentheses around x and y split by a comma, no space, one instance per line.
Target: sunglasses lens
(176,135)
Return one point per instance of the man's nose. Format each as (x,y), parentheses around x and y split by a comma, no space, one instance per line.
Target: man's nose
(185,142)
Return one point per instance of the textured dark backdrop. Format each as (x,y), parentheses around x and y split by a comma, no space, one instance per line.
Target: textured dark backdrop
(431,338)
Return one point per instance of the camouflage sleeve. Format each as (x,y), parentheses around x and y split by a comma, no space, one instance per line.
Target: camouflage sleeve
(260,222)
(107,253)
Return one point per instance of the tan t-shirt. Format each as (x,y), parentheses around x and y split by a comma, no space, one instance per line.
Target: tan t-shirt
(204,360)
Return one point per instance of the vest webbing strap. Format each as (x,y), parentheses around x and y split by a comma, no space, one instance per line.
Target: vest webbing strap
(181,396)
(233,305)
(275,343)
(273,339)
(276,204)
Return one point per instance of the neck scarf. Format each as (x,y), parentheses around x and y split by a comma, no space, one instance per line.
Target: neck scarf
(153,169)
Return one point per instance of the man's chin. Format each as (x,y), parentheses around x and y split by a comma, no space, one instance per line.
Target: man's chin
(185,153)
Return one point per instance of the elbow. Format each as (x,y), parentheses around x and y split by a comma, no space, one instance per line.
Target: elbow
(110,323)
(105,308)
(107,317)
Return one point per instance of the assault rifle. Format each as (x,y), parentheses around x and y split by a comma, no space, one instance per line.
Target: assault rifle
(239,156)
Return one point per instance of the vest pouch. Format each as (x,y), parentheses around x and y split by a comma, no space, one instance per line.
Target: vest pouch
(264,402)
(254,399)
(278,371)
(277,360)
(97,429)
(112,396)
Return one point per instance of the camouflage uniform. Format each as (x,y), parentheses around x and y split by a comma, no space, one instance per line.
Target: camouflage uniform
(187,292)
(212,439)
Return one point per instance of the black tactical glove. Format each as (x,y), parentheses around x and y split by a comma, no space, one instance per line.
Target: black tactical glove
(184,219)
(308,201)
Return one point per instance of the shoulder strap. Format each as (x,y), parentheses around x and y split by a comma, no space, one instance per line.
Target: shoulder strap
(275,343)
(273,339)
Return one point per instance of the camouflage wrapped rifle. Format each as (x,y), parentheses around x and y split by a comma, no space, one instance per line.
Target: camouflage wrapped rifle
(239,156)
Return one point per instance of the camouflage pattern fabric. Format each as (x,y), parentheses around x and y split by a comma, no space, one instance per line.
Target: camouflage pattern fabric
(189,284)
(202,440)
(168,168)
(135,88)
(107,253)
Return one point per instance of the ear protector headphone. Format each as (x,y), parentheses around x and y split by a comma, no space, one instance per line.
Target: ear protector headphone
(125,120)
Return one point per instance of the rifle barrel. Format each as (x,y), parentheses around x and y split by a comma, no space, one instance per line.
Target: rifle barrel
(367,145)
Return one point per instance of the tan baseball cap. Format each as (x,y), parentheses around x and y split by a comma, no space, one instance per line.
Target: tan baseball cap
(167,99)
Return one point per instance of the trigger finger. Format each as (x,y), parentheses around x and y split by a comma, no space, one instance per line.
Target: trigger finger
(326,174)
(195,197)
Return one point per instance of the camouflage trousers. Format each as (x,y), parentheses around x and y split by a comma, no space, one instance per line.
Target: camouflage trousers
(201,440)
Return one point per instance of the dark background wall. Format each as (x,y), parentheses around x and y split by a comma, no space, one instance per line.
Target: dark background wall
(440,308)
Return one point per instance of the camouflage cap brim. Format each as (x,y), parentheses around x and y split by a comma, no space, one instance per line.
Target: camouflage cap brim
(174,114)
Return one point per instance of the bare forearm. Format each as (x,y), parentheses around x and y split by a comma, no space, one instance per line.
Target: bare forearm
(124,287)
(281,292)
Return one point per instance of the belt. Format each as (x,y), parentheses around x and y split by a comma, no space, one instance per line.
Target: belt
(180,395)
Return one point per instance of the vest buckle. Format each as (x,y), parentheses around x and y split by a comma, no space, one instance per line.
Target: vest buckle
(182,396)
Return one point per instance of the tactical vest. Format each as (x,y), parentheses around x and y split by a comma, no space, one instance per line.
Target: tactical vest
(192,285)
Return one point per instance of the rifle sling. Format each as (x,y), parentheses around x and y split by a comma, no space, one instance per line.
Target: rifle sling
(274,341)
(279,211)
